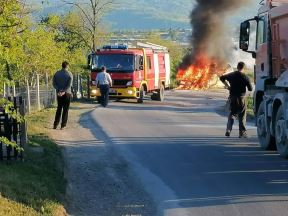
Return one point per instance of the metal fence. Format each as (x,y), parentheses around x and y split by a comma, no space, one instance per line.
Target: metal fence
(36,97)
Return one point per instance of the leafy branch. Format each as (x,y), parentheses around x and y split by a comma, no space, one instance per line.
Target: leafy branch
(8,107)
(11,144)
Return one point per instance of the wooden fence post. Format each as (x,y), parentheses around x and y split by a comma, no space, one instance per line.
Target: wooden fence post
(55,96)
(23,126)
(38,104)
(4,89)
(7,90)
(28,98)
(14,90)
(46,91)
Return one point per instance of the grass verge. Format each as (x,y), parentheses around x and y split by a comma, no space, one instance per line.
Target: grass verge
(37,185)
(250,112)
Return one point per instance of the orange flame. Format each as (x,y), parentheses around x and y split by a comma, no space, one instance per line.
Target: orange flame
(197,76)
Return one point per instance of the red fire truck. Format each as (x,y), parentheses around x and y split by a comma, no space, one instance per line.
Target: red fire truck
(136,71)
(271,72)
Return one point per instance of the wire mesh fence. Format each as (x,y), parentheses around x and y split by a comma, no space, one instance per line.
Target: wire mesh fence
(42,94)
(27,99)
(37,98)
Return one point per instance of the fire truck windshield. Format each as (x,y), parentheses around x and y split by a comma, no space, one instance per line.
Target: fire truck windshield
(114,62)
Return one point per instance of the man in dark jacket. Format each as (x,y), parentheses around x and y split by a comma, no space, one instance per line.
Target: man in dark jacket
(238,83)
(62,82)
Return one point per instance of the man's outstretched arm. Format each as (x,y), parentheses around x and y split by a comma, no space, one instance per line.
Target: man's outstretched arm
(224,79)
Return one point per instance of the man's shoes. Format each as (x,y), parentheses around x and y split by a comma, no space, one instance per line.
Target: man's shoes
(243,135)
(54,127)
(227,134)
(63,128)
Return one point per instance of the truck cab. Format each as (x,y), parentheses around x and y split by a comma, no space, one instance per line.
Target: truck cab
(271,72)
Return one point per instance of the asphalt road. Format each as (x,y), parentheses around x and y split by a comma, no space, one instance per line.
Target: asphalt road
(178,151)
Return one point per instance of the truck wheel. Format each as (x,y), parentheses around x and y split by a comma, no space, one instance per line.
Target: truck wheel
(267,141)
(281,137)
(141,95)
(160,94)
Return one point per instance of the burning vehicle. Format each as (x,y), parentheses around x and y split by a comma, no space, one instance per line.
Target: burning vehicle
(211,45)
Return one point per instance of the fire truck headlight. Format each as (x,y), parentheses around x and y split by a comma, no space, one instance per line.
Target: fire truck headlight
(130,83)
(130,92)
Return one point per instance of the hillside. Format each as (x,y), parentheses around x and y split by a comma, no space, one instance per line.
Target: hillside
(144,14)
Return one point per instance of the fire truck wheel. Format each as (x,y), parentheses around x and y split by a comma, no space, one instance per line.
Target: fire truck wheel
(266,140)
(141,95)
(160,94)
(281,137)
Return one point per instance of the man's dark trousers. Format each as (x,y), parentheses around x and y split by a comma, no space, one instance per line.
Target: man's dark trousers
(104,89)
(238,107)
(63,108)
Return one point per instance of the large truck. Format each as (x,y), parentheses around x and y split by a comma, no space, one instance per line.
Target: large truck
(271,72)
(136,71)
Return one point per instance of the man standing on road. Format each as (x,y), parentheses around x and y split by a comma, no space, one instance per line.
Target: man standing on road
(238,82)
(62,82)
(104,81)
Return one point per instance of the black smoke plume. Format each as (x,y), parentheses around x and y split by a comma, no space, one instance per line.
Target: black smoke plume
(211,34)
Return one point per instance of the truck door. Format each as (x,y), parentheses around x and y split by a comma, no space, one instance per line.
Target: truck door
(262,47)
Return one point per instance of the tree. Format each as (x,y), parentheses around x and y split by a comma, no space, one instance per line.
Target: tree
(67,30)
(42,53)
(12,25)
(91,13)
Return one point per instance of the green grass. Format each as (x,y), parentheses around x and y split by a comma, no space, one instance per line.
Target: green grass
(250,103)
(250,74)
(250,111)
(37,185)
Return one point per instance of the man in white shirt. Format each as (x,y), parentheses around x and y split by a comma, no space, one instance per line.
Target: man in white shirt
(105,82)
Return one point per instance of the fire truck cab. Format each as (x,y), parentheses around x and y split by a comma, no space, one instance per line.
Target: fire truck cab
(271,72)
(136,71)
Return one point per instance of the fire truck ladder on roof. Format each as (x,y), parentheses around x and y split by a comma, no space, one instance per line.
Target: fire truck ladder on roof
(152,46)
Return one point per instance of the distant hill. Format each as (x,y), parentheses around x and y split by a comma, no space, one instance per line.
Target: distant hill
(133,14)
(143,14)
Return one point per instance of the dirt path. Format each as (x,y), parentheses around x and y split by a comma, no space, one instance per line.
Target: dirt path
(100,182)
